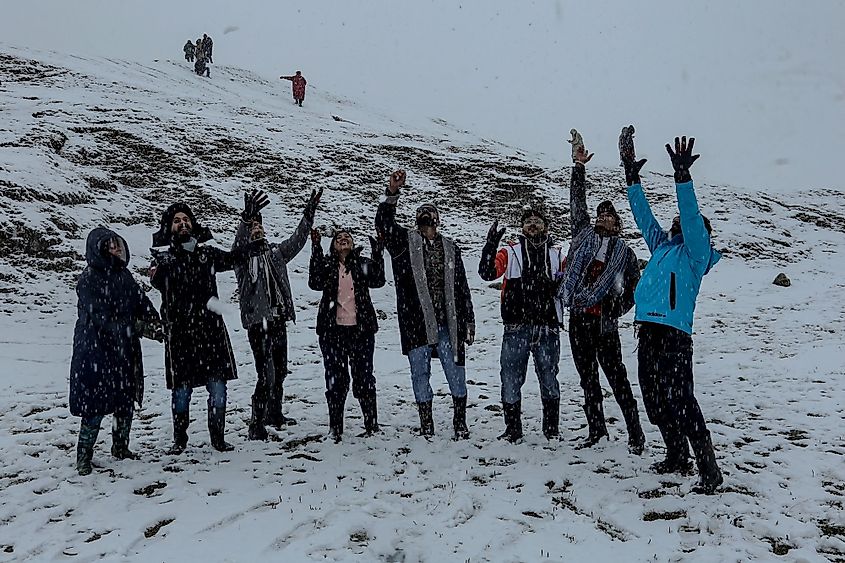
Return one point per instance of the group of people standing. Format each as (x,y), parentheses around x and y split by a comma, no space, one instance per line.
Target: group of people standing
(598,280)
(200,53)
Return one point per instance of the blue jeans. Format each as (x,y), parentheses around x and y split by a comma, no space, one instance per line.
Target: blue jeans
(181,397)
(542,342)
(420,360)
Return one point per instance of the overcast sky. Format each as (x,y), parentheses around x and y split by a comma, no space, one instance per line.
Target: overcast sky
(761,84)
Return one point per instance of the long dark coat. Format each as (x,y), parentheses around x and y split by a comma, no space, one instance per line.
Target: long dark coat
(367,274)
(197,347)
(106,371)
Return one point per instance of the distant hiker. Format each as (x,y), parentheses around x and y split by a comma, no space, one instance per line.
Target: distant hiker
(298,85)
(106,371)
(267,306)
(530,315)
(433,302)
(347,324)
(597,287)
(665,299)
(207,47)
(197,347)
(201,68)
(189,51)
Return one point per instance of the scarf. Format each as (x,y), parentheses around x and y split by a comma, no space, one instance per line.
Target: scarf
(573,291)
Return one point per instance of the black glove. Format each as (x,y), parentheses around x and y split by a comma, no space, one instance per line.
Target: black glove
(632,170)
(377,246)
(494,235)
(628,156)
(253,204)
(682,158)
(313,201)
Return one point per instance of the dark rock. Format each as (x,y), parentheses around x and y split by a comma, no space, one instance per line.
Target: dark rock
(782,280)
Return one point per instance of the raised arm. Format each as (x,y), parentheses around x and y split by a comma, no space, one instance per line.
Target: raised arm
(652,233)
(318,274)
(254,202)
(395,235)
(579,216)
(290,247)
(375,267)
(493,261)
(696,237)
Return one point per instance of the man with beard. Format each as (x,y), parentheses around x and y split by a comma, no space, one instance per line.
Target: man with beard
(197,347)
(266,305)
(433,301)
(597,287)
(530,315)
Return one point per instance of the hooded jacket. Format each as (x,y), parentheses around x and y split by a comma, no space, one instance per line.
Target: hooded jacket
(669,286)
(106,370)
(262,268)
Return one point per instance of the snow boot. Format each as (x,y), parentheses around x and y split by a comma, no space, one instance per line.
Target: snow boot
(217,428)
(677,453)
(596,424)
(513,422)
(705,458)
(85,448)
(336,409)
(181,420)
(275,418)
(551,418)
(636,436)
(369,411)
(426,419)
(121,425)
(459,418)
(257,431)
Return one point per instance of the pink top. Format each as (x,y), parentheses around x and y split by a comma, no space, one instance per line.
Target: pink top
(346,315)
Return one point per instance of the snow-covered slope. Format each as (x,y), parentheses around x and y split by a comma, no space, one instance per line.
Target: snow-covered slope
(85,142)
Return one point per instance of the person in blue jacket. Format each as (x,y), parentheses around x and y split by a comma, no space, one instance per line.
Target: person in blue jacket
(665,304)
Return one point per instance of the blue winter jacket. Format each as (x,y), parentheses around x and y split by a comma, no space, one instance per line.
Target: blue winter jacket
(670,283)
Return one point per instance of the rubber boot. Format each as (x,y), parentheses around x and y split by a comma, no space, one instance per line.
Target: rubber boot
(120,438)
(597,425)
(551,418)
(275,417)
(708,470)
(85,448)
(336,409)
(459,418)
(181,420)
(513,422)
(677,453)
(636,436)
(369,410)
(426,419)
(256,421)
(217,428)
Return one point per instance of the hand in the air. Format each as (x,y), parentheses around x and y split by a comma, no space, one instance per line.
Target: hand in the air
(397,180)
(682,158)
(494,235)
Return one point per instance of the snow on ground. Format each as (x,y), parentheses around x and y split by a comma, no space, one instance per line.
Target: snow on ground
(88,141)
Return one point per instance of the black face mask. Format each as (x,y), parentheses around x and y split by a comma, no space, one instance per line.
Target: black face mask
(426,219)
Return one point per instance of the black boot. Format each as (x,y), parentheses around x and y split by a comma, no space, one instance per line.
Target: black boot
(256,421)
(459,417)
(336,409)
(120,438)
(275,418)
(551,418)
(181,420)
(513,422)
(636,436)
(369,411)
(708,470)
(426,419)
(596,423)
(85,448)
(677,453)
(217,428)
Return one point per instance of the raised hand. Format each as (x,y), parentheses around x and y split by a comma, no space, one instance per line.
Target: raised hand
(313,201)
(628,156)
(377,245)
(316,237)
(682,158)
(397,180)
(494,235)
(253,204)
(582,155)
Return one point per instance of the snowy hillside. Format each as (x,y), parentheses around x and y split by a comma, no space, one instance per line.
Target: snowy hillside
(85,142)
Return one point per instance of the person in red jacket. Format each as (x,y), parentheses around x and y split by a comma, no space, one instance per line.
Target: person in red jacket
(299,83)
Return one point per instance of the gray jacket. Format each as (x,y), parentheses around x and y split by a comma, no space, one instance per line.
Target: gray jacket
(260,267)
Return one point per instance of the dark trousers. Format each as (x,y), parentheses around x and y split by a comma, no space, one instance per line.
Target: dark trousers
(269,345)
(591,349)
(348,350)
(665,373)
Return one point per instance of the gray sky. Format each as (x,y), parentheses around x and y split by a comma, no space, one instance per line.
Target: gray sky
(759,83)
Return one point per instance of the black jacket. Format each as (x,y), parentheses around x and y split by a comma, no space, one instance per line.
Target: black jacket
(106,370)
(412,319)
(366,274)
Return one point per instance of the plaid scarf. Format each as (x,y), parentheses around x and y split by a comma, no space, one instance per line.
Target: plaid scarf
(574,293)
